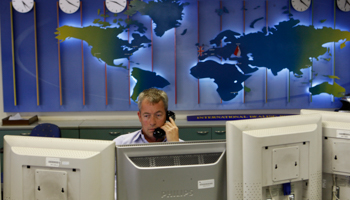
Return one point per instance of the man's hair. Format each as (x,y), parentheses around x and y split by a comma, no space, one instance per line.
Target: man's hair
(153,95)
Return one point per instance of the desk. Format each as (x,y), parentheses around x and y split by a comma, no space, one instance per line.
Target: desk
(188,130)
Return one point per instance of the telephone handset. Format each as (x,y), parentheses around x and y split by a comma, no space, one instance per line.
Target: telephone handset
(160,133)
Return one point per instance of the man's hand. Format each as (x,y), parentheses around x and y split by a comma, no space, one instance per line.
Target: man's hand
(171,131)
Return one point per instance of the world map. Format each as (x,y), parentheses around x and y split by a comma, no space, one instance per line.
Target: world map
(285,34)
(107,46)
(262,49)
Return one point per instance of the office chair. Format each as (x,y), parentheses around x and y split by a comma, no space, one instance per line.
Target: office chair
(46,130)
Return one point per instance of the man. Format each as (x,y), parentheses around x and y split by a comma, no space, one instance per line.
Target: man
(153,105)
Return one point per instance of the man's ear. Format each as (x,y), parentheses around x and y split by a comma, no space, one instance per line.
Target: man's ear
(139,115)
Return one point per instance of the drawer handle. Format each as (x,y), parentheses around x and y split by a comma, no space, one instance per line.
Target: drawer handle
(202,132)
(220,132)
(25,134)
(114,133)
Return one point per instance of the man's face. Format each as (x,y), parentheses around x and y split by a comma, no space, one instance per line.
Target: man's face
(151,117)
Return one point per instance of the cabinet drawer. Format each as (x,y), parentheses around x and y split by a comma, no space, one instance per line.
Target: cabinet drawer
(198,133)
(218,133)
(101,134)
(12,132)
(70,133)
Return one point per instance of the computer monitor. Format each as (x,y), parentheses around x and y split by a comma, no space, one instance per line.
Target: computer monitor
(336,151)
(58,169)
(328,115)
(264,154)
(179,170)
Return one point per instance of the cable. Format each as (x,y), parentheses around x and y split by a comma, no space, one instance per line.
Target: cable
(334,189)
(270,193)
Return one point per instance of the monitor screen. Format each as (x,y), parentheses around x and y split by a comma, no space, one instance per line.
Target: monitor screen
(179,170)
(265,156)
(38,168)
(336,151)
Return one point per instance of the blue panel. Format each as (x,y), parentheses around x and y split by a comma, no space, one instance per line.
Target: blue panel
(267,87)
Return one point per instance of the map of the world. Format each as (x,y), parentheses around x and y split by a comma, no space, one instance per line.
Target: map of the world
(204,54)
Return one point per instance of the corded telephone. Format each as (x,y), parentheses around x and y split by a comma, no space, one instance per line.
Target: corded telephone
(158,132)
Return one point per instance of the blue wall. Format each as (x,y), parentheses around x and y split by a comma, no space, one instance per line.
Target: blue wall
(207,82)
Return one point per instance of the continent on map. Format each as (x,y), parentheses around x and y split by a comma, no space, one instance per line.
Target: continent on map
(166,14)
(221,11)
(105,43)
(146,79)
(226,76)
(331,76)
(254,22)
(141,27)
(269,49)
(335,89)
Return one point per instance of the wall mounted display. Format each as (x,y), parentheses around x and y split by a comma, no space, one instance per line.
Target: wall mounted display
(206,54)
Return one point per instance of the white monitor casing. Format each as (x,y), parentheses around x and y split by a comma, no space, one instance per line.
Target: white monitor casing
(58,168)
(184,170)
(335,139)
(272,151)
(335,152)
